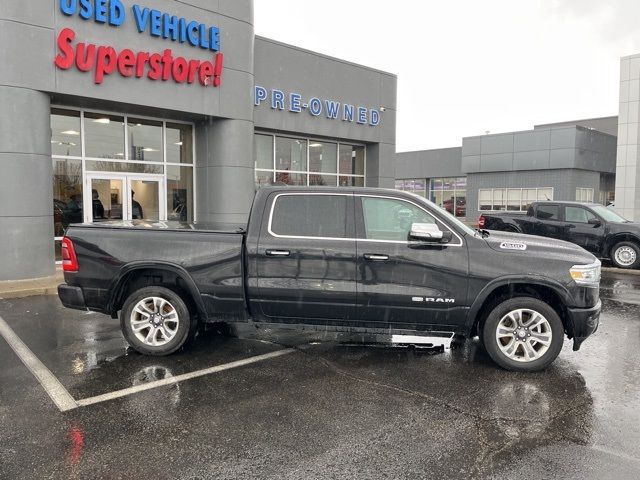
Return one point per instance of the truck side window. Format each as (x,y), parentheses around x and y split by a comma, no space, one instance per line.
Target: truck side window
(577,215)
(390,219)
(310,216)
(547,212)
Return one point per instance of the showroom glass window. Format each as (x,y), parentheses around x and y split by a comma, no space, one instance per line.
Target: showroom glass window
(85,143)
(304,161)
(413,185)
(449,193)
(584,195)
(511,199)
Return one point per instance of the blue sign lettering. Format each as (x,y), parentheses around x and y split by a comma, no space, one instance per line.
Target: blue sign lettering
(362,115)
(170,27)
(332,109)
(158,24)
(112,12)
(277,100)
(374,117)
(68,7)
(294,102)
(347,114)
(101,11)
(315,106)
(260,95)
(142,17)
(174,28)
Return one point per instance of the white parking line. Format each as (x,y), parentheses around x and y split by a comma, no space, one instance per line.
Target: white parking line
(180,378)
(60,396)
(63,399)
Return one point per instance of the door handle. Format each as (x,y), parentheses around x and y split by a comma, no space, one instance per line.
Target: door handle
(374,257)
(277,253)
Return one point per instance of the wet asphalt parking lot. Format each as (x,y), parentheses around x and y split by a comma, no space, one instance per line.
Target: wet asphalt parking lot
(320,410)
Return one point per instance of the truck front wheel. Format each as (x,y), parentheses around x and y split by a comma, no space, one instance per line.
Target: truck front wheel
(523,334)
(156,321)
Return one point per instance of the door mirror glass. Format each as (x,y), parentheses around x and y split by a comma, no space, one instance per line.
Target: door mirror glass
(428,232)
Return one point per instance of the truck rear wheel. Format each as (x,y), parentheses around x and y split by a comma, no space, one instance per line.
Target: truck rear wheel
(156,321)
(626,255)
(523,334)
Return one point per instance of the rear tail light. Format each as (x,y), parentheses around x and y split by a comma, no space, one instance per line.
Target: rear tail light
(481,221)
(69,259)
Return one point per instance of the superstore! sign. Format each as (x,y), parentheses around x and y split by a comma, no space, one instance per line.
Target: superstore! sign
(103,60)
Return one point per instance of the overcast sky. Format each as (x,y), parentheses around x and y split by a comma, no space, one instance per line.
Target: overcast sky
(465,67)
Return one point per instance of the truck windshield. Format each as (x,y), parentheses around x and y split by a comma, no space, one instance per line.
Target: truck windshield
(608,214)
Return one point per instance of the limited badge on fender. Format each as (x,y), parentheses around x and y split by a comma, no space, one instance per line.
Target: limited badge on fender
(513,246)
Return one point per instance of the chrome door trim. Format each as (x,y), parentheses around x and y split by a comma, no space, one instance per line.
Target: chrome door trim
(400,242)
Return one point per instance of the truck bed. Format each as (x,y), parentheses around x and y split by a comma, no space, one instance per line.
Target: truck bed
(211,254)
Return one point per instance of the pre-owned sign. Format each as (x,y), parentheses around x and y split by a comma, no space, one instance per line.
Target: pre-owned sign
(104,60)
(332,109)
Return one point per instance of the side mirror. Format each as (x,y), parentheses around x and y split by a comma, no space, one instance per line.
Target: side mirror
(429,232)
(595,222)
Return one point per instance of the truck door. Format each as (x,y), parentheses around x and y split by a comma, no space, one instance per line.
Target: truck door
(548,222)
(584,228)
(400,283)
(305,261)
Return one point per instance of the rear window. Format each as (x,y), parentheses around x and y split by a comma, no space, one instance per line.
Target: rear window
(547,212)
(310,216)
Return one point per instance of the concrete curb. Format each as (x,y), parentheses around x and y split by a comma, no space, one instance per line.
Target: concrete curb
(621,270)
(33,287)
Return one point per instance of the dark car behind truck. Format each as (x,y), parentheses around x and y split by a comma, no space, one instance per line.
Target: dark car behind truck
(595,228)
(370,261)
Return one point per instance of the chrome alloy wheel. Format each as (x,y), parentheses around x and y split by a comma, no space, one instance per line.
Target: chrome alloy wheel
(154,321)
(625,256)
(524,335)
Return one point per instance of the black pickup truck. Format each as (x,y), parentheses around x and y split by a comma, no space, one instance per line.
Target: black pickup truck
(361,260)
(594,227)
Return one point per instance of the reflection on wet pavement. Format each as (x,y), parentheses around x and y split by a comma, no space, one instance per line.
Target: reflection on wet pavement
(327,411)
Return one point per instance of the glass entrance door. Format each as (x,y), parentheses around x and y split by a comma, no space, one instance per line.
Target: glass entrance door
(144,199)
(123,197)
(106,199)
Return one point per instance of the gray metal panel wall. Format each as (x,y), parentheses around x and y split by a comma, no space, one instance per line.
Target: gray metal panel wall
(605,124)
(555,148)
(442,162)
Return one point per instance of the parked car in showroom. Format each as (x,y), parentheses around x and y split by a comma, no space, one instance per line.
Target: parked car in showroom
(594,227)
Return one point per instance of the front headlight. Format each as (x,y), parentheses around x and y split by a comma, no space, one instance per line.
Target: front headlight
(588,275)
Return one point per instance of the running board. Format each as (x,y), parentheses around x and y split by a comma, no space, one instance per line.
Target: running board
(423,341)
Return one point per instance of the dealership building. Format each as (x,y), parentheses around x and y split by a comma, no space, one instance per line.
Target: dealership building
(168,110)
(589,160)
(507,171)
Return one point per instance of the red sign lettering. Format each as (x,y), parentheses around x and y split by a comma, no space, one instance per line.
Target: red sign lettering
(105,60)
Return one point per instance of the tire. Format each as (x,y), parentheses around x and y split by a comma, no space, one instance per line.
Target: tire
(523,350)
(153,334)
(626,255)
